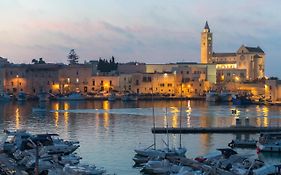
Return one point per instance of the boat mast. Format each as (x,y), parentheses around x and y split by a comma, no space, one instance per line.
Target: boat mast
(154,136)
(168,141)
(180,112)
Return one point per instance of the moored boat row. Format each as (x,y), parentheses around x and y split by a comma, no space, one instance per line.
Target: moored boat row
(42,154)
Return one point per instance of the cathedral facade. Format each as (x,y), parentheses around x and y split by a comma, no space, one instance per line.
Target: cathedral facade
(247,63)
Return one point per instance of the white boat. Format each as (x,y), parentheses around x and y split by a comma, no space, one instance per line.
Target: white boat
(269,142)
(22,140)
(267,170)
(161,167)
(71,97)
(5,97)
(83,170)
(212,96)
(70,159)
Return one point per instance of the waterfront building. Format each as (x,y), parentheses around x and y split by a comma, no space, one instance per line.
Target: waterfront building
(103,83)
(15,79)
(247,63)
(74,78)
(31,79)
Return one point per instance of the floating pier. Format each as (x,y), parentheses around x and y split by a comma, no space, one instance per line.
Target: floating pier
(222,130)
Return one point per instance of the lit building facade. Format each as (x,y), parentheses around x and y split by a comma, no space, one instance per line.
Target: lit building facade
(74,78)
(246,64)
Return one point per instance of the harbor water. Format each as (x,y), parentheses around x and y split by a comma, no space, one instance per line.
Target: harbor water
(110,131)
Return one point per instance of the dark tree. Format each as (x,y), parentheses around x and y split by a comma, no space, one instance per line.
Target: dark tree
(72,57)
(107,66)
(34,61)
(39,61)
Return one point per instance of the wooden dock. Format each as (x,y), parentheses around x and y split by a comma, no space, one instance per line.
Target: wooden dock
(221,130)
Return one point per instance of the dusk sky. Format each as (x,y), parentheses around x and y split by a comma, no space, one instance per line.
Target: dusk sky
(151,31)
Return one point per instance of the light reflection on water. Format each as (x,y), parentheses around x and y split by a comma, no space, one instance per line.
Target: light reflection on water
(109,132)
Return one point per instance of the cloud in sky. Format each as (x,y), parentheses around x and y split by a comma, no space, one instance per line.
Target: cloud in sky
(147,31)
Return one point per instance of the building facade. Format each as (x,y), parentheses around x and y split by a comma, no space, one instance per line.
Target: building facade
(247,63)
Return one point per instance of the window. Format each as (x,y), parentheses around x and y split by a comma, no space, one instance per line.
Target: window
(161,84)
(169,84)
(146,79)
(110,82)
(94,82)
(101,82)
(12,83)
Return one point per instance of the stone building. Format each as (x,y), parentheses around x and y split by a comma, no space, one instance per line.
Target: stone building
(247,63)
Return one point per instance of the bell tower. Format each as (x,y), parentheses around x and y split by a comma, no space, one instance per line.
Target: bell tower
(206,44)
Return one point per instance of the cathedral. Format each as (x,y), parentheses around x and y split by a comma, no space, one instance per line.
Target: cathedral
(247,63)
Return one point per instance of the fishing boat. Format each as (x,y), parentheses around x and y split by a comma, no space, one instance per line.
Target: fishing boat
(269,142)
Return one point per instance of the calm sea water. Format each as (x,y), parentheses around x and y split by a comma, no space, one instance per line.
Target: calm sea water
(109,132)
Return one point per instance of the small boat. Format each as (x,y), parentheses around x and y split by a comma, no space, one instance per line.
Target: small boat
(112,97)
(212,96)
(129,97)
(70,97)
(83,170)
(269,142)
(267,170)
(242,143)
(241,100)
(21,96)
(5,97)
(22,140)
